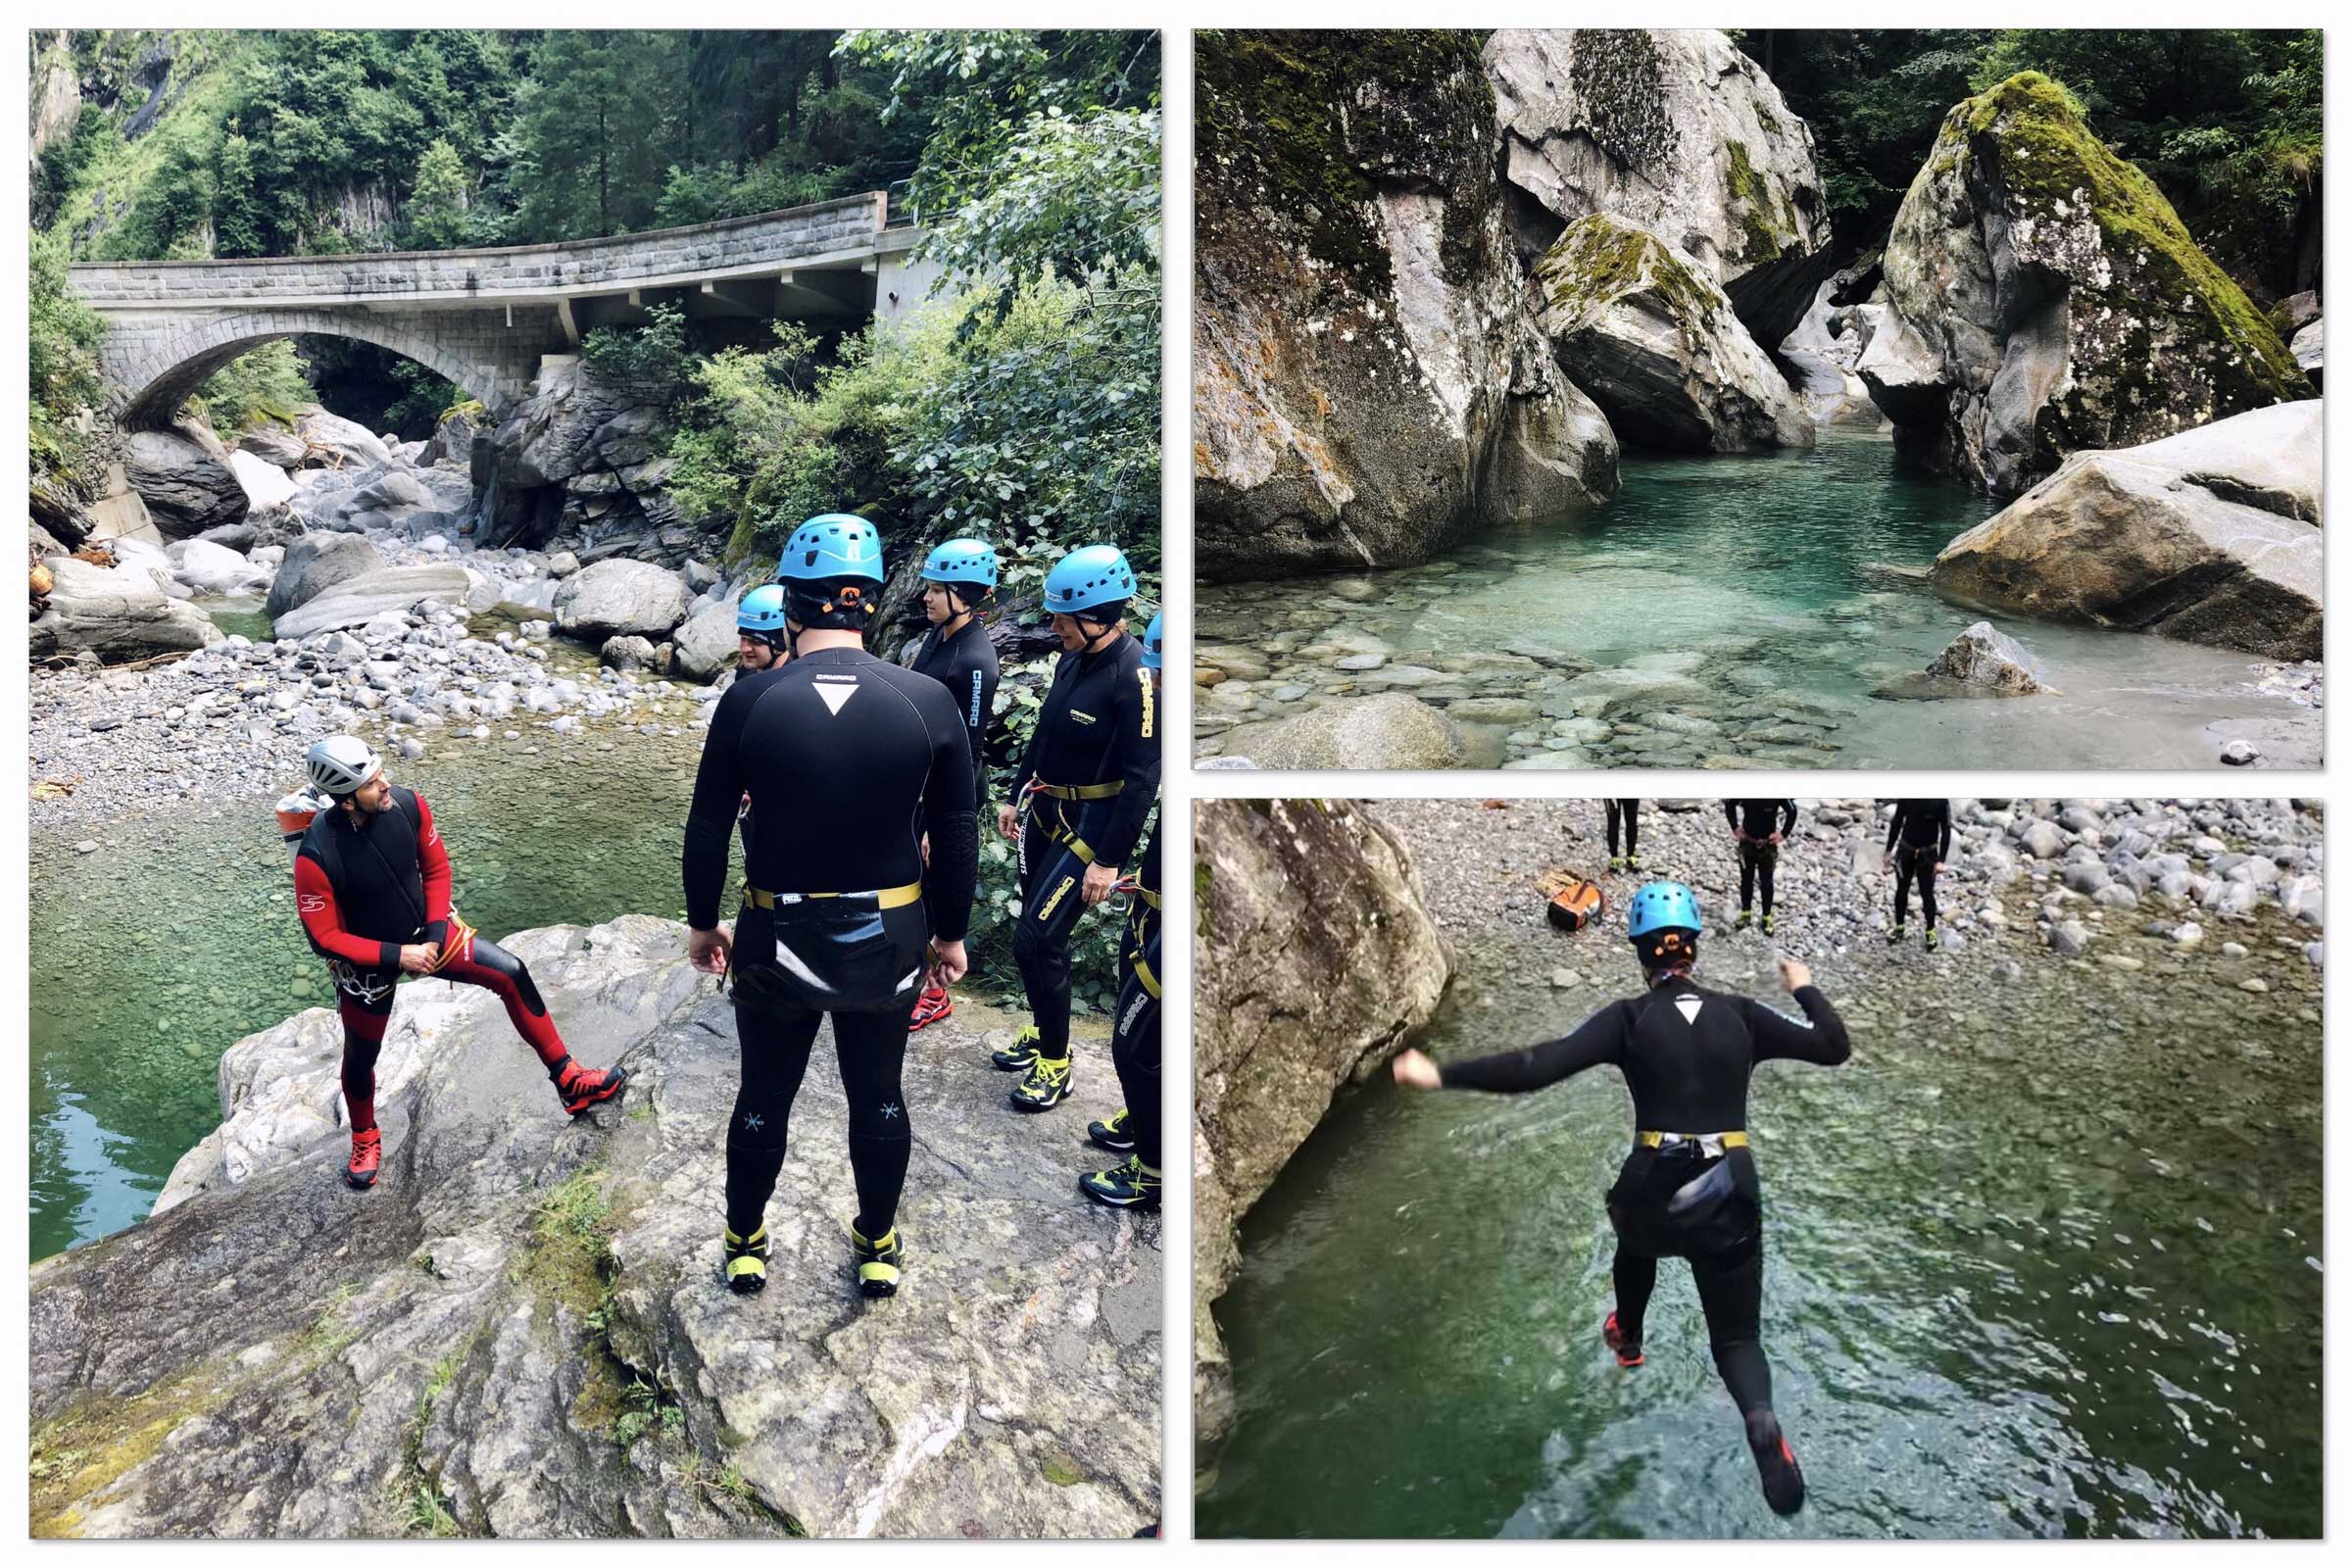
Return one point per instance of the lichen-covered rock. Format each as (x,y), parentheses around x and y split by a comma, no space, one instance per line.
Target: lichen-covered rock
(2054,302)
(2211,536)
(520,1331)
(331,441)
(1367,382)
(1990,661)
(1673,130)
(1654,342)
(1317,959)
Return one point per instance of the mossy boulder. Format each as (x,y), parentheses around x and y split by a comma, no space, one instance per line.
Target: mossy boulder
(1655,342)
(1675,130)
(1368,384)
(2048,301)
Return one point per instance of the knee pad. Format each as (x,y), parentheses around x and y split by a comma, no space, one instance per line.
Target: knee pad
(1030,947)
(885,1121)
(755,1129)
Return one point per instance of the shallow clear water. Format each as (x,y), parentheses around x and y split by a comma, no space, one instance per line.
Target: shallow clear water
(153,955)
(1755,591)
(2043,1259)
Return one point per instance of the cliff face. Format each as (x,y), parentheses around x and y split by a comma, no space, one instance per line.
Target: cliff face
(520,1329)
(1316,959)
(1368,378)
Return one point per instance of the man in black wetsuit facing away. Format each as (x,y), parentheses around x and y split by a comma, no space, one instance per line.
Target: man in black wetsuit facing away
(850,762)
(1688,1187)
(957,579)
(1918,841)
(1759,844)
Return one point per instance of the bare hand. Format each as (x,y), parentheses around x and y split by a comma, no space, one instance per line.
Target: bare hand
(1793,974)
(1009,822)
(1099,880)
(1773,838)
(710,950)
(1414,1070)
(947,962)
(1939,868)
(926,851)
(1886,863)
(419,957)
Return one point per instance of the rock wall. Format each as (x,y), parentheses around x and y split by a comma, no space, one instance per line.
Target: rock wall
(1367,382)
(582,449)
(1315,962)
(2047,299)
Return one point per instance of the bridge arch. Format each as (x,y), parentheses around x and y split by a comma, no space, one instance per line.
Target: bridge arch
(159,375)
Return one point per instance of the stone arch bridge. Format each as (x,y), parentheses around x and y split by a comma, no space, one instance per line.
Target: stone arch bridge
(483,319)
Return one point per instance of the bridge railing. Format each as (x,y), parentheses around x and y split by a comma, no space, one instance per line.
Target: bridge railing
(735,245)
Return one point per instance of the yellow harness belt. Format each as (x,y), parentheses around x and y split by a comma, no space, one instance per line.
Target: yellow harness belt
(888,897)
(1708,1143)
(1081,792)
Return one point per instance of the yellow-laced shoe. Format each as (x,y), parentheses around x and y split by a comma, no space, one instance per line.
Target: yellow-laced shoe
(1134,1185)
(1047,1085)
(742,1261)
(1022,1054)
(1114,1134)
(878,1261)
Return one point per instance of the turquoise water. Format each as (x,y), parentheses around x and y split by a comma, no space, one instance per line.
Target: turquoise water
(1776,598)
(2042,1260)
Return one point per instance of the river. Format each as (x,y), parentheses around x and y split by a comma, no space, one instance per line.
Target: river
(2043,1259)
(1762,606)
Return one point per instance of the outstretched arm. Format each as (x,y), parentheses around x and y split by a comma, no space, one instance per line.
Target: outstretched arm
(1821,1039)
(1598,1039)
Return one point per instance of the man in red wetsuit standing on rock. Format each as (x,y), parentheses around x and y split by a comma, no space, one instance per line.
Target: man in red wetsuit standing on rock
(371,884)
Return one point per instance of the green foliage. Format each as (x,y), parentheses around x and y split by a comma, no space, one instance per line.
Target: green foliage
(1074,199)
(653,352)
(265,385)
(68,445)
(437,204)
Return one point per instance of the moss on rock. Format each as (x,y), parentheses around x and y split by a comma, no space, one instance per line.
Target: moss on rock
(1599,260)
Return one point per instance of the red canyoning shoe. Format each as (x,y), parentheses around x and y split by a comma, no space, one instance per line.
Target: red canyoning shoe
(1775,1463)
(366,1155)
(931,1006)
(1629,1352)
(583,1087)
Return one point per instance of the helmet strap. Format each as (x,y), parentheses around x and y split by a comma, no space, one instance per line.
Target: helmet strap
(1088,639)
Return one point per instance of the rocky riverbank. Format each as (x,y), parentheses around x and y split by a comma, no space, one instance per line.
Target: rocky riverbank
(520,1329)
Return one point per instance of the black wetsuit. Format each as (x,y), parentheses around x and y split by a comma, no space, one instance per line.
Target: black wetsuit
(1686,1055)
(1920,838)
(1098,728)
(1757,857)
(1629,814)
(849,761)
(966,666)
(1134,1033)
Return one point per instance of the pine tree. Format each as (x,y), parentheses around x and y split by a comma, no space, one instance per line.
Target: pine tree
(438,200)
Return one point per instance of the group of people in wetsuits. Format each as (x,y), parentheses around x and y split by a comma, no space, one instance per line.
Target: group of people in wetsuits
(858,787)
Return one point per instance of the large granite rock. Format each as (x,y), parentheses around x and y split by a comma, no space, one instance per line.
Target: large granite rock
(183,475)
(2048,300)
(1368,384)
(1669,129)
(622,597)
(2212,536)
(1988,661)
(208,568)
(1392,731)
(1820,355)
(119,513)
(117,614)
(1293,894)
(331,441)
(2309,349)
(452,440)
(274,445)
(1654,342)
(318,561)
(705,644)
(520,1331)
(266,483)
(356,601)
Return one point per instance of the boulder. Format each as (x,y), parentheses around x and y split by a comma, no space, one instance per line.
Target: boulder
(356,601)
(525,1311)
(274,445)
(1673,130)
(554,434)
(452,440)
(2306,348)
(1820,354)
(1990,661)
(184,477)
(316,563)
(627,653)
(1368,384)
(2211,536)
(115,614)
(2052,301)
(265,484)
(215,569)
(394,490)
(618,597)
(1654,342)
(1389,731)
(117,514)
(706,643)
(1291,893)
(331,441)
(2295,312)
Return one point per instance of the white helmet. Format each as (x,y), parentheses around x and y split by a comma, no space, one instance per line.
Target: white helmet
(341,763)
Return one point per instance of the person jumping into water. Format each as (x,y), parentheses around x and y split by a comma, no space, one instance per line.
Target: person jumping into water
(1687,1054)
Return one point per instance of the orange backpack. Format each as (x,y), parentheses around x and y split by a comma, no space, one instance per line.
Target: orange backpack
(1577,905)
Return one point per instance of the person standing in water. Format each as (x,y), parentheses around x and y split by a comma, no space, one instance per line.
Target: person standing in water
(1688,1189)
(1918,841)
(1628,813)
(1759,844)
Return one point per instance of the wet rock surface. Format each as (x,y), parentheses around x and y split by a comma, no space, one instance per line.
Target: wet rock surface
(520,1329)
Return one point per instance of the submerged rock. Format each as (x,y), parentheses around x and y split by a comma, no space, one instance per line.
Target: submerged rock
(1990,660)
(520,1329)
(1654,342)
(1389,731)
(2047,300)
(1293,893)
(2212,536)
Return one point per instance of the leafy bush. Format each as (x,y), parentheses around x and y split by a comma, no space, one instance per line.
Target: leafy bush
(267,385)
(653,352)
(68,443)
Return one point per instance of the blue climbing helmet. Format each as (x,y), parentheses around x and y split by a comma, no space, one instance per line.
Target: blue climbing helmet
(832,546)
(1097,575)
(962,563)
(762,612)
(1662,906)
(1151,643)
